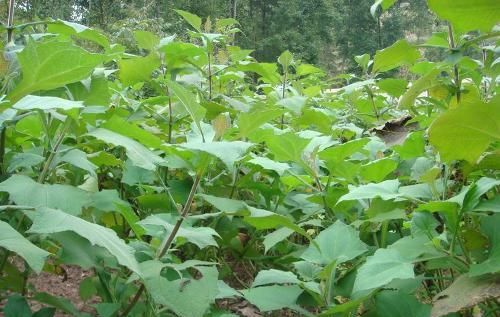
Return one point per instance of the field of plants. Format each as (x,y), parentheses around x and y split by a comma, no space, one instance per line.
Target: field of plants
(185,178)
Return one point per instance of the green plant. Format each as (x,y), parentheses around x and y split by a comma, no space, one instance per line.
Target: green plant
(190,172)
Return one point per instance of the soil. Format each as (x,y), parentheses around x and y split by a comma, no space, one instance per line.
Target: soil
(67,286)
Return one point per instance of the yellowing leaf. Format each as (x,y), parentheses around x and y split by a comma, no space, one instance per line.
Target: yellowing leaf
(466,132)
(466,15)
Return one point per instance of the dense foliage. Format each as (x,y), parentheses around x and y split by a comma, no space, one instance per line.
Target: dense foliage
(185,174)
(314,30)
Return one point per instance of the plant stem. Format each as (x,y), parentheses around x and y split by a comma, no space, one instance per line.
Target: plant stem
(53,152)
(209,77)
(455,67)
(375,111)
(170,119)
(383,236)
(10,21)
(2,149)
(165,245)
(235,180)
(331,280)
(10,32)
(283,96)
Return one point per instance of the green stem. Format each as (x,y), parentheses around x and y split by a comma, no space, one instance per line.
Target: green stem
(331,281)
(455,67)
(2,150)
(383,236)
(53,152)
(209,76)
(283,97)
(165,245)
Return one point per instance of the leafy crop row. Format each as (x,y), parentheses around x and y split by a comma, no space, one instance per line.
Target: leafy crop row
(186,174)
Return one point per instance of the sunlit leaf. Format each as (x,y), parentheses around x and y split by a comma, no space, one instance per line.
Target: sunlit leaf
(468,15)
(466,132)
(52,64)
(399,54)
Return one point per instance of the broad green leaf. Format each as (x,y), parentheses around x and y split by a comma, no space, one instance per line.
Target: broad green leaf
(465,132)
(79,159)
(489,227)
(423,223)
(394,87)
(412,247)
(267,71)
(413,146)
(128,129)
(226,291)
(294,104)
(224,204)
(24,160)
(31,102)
(17,306)
(273,276)
(61,303)
(339,153)
(338,243)
(377,171)
(107,309)
(425,82)
(98,93)
(287,147)
(25,191)
(380,269)
(268,298)
(49,65)
(308,69)
(285,59)
(200,236)
(189,102)
(398,304)
(465,292)
(468,15)
(140,155)
(76,250)
(268,164)
(187,297)
(275,237)
(398,54)
(133,175)
(13,241)
(478,189)
(137,69)
(386,190)
(47,221)
(447,208)
(79,30)
(146,40)
(438,39)
(192,19)
(490,205)
(227,152)
(251,121)
(363,61)
(264,219)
